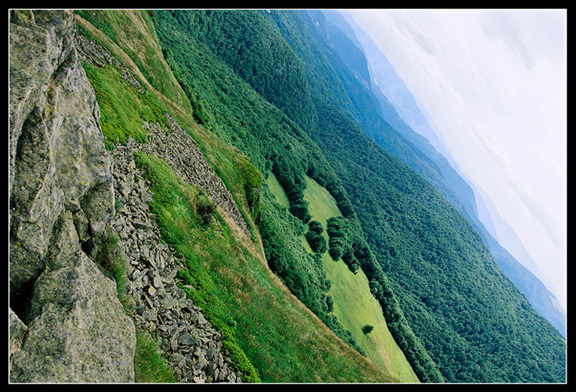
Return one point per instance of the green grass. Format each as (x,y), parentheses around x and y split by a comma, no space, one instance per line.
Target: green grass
(149,365)
(139,51)
(123,109)
(180,209)
(277,190)
(263,326)
(354,305)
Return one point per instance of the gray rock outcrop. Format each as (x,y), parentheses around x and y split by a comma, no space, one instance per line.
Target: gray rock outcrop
(66,323)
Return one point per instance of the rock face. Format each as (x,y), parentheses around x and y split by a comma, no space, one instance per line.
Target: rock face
(66,323)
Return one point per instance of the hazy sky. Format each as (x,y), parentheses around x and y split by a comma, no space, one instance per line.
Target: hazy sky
(494,85)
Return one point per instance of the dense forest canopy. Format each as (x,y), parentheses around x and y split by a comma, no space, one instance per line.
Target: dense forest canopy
(267,83)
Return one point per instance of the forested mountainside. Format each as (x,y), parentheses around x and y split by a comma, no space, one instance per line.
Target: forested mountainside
(437,264)
(340,38)
(225,178)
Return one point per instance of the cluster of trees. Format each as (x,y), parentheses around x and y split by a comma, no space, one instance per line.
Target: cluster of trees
(257,53)
(339,243)
(440,280)
(315,238)
(302,272)
(347,242)
(227,105)
(434,273)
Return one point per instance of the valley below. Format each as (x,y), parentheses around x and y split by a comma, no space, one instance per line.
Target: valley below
(215,196)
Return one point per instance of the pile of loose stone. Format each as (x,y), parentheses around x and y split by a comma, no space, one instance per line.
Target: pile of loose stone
(188,341)
(186,159)
(99,56)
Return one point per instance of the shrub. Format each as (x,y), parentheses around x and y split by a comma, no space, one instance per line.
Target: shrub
(149,365)
(329,304)
(376,289)
(315,227)
(300,210)
(204,208)
(351,261)
(336,247)
(335,227)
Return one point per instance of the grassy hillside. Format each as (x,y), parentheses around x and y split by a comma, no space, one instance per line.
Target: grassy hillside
(270,334)
(354,304)
(242,298)
(456,299)
(234,110)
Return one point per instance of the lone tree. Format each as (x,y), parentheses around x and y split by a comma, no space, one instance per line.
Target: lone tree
(367,329)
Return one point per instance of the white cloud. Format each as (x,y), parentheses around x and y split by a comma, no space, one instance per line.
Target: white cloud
(494,85)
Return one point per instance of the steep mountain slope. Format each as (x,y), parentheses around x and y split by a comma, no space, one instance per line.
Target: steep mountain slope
(385,79)
(189,174)
(274,143)
(384,125)
(184,248)
(441,271)
(176,233)
(406,239)
(353,302)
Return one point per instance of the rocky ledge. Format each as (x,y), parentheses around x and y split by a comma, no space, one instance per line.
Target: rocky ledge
(187,340)
(66,322)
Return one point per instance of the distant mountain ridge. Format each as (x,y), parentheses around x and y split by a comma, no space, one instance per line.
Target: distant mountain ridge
(401,110)
(344,100)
